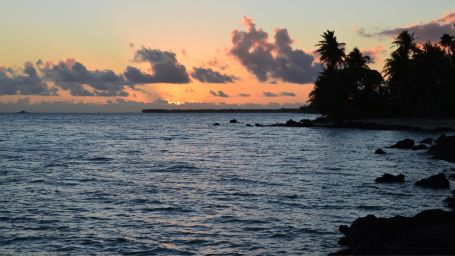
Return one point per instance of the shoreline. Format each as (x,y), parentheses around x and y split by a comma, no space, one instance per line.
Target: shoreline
(396,124)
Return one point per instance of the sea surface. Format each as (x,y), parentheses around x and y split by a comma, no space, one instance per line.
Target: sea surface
(174,184)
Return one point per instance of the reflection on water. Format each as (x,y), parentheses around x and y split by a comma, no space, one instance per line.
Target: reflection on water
(176,184)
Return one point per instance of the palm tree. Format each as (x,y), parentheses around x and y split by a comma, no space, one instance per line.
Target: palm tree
(398,70)
(331,51)
(356,60)
(430,68)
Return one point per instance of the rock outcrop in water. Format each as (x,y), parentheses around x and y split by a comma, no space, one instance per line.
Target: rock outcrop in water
(429,232)
(444,148)
(404,144)
(380,151)
(389,178)
(438,181)
(301,123)
(234,121)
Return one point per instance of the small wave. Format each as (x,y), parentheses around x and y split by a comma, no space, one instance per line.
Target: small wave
(166,209)
(370,207)
(178,168)
(100,159)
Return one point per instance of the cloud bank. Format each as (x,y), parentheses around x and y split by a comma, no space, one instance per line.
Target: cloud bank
(423,32)
(166,68)
(74,77)
(23,82)
(275,60)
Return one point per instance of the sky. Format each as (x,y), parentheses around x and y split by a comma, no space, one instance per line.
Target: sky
(101,55)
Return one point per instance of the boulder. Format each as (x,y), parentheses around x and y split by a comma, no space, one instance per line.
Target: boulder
(233,121)
(380,151)
(249,125)
(389,178)
(292,123)
(216,124)
(430,232)
(419,147)
(444,148)
(435,181)
(404,144)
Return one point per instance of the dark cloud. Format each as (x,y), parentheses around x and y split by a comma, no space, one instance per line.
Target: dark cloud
(166,68)
(208,75)
(423,32)
(288,94)
(272,60)
(23,82)
(218,94)
(73,76)
(281,94)
(244,95)
(270,94)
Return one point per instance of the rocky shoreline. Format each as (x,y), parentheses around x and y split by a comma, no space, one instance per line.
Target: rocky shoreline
(428,232)
(431,232)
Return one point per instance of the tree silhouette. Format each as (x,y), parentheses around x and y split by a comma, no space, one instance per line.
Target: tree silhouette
(331,51)
(420,80)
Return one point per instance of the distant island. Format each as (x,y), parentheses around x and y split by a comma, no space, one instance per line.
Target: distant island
(279,110)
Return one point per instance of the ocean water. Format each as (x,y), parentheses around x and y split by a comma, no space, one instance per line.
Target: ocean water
(174,184)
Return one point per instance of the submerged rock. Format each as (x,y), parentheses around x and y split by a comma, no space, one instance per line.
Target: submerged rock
(216,124)
(435,181)
(429,232)
(389,178)
(444,148)
(380,151)
(404,144)
(233,121)
(419,147)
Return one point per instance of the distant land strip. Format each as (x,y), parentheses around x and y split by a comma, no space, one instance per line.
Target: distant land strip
(280,110)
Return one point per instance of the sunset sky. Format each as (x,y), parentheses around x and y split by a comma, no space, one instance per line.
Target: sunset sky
(199,53)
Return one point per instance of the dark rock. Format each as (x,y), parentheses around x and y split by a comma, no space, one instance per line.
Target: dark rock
(444,148)
(344,229)
(389,178)
(380,151)
(306,123)
(234,121)
(429,232)
(404,144)
(419,147)
(258,125)
(249,125)
(216,124)
(435,181)
(292,123)
(302,123)
(427,141)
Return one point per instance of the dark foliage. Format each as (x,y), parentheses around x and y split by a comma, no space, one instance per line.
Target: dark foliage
(419,80)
